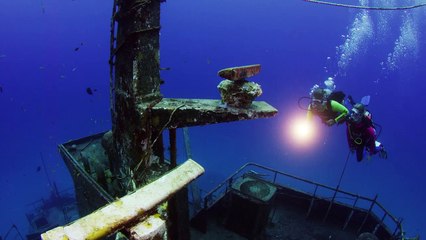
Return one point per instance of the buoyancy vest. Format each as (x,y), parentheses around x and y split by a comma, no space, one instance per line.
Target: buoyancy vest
(327,113)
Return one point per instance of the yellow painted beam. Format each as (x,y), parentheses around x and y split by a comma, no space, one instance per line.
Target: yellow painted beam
(128,209)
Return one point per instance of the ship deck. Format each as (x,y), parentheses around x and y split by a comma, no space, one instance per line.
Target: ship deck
(261,203)
(285,221)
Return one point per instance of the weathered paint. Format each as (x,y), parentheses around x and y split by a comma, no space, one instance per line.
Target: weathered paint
(239,73)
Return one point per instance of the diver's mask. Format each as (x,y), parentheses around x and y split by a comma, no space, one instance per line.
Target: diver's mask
(356,115)
(317,104)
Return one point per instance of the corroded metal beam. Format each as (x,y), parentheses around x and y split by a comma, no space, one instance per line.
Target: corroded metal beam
(177,113)
(136,86)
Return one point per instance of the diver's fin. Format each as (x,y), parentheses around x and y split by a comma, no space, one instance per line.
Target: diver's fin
(365,100)
(351,100)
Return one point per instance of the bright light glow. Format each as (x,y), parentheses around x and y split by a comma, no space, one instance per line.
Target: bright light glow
(301,133)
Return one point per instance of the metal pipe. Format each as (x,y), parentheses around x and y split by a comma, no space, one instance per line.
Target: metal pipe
(379,224)
(350,214)
(368,214)
(329,205)
(312,201)
(173,149)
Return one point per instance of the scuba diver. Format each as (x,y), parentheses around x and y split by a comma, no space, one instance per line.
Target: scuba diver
(327,104)
(361,134)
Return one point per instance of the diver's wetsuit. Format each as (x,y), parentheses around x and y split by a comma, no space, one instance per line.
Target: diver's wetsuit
(333,110)
(361,135)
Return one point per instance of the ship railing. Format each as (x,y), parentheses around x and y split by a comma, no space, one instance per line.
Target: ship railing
(316,191)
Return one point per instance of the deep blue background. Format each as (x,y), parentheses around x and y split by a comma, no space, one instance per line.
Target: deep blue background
(44,100)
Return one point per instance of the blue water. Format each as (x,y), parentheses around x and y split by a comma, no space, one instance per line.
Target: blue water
(44,102)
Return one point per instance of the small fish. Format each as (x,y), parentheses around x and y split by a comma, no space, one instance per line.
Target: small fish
(165,68)
(78,48)
(38,169)
(90,91)
(1,89)
(74,69)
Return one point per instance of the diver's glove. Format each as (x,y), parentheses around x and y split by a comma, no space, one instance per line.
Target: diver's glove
(330,122)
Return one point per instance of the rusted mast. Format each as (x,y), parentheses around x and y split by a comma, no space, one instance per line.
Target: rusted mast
(136,87)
